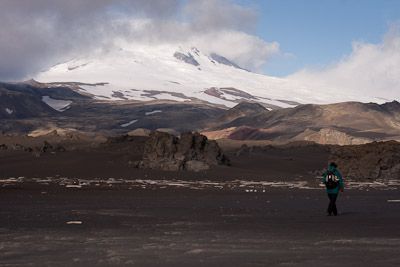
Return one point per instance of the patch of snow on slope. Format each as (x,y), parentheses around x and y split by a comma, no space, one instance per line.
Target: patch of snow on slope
(56,104)
(278,103)
(9,111)
(153,112)
(166,96)
(129,123)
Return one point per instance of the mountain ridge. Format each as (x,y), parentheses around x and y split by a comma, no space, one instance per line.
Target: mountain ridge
(182,74)
(32,106)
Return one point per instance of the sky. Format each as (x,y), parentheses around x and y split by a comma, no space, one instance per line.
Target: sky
(326,43)
(319,32)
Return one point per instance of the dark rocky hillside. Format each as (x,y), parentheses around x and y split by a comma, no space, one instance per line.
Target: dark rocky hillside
(378,160)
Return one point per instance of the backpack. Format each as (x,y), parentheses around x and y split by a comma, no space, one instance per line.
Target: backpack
(331,180)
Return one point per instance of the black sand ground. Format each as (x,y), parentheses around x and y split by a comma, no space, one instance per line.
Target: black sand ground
(182,227)
(175,226)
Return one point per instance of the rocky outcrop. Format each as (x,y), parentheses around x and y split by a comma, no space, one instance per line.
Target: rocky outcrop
(140,132)
(47,147)
(189,59)
(370,161)
(192,152)
(329,136)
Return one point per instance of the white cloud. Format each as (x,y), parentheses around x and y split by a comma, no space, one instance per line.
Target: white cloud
(370,70)
(206,15)
(38,34)
(248,51)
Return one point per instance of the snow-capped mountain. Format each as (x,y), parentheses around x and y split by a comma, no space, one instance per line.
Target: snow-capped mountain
(181,74)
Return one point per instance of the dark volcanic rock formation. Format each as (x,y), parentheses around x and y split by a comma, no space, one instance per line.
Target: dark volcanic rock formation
(223,60)
(192,152)
(370,161)
(47,147)
(189,59)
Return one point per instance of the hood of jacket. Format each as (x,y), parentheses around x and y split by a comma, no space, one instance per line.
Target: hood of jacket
(331,168)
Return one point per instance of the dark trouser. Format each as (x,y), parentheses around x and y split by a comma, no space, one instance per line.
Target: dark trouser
(332,204)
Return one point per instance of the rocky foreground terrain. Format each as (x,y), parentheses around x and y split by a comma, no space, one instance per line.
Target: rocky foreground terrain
(55,129)
(160,155)
(156,199)
(92,205)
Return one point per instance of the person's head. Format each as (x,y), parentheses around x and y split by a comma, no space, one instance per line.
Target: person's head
(333,165)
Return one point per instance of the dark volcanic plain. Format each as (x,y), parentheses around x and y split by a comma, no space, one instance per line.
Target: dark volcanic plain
(89,206)
(183,227)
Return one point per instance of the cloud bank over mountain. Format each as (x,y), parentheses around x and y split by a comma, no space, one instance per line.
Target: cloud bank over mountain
(370,69)
(37,34)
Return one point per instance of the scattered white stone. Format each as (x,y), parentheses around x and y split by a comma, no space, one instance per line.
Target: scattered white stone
(74,222)
(393,200)
(129,123)
(73,186)
(9,111)
(195,251)
(153,112)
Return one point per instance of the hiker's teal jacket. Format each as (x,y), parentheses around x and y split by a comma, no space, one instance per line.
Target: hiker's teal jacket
(339,175)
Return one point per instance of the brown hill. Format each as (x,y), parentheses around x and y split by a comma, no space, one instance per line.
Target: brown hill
(243,109)
(342,123)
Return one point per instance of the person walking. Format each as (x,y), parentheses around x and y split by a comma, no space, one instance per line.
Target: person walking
(333,182)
